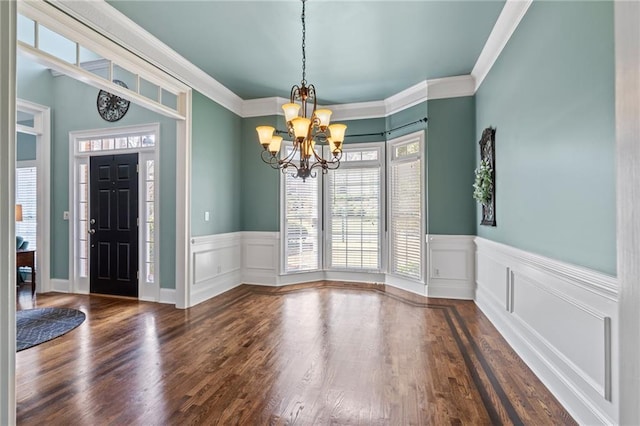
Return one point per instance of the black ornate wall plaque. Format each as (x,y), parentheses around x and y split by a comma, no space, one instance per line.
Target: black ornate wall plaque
(488,153)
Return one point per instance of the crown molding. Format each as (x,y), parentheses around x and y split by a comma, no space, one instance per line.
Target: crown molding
(116,26)
(263,106)
(509,19)
(111,23)
(451,87)
(358,111)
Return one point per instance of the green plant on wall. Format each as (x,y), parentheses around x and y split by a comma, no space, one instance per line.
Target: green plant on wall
(483,185)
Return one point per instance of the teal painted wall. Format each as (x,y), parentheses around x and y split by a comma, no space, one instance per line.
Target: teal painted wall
(364,127)
(260,183)
(451,160)
(550,96)
(217,167)
(75,109)
(26,147)
(34,82)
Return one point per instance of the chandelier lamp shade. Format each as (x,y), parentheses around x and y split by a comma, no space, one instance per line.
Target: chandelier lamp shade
(317,144)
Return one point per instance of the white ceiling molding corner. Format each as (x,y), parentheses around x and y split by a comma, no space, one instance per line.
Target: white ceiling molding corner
(407,98)
(508,21)
(263,107)
(116,26)
(358,111)
(451,87)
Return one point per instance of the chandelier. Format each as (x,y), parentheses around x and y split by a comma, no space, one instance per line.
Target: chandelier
(313,136)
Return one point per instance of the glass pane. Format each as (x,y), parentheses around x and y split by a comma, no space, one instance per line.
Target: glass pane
(149,231)
(25,30)
(83,249)
(83,211)
(125,76)
(94,63)
(370,155)
(150,186)
(169,99)
(149,90)
(96,145)
(84,228)
(149,252)
(83,173)
(150,171)
(121,143)
(148,140)
(57,45)
(83,267)
(83,192)
(108,144)
(150,212)
(134,141)
(150,272)
(354,156)
(85,146)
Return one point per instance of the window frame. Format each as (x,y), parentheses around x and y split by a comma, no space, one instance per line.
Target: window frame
(380,163)
(392,144)
(146,290)
(283,217)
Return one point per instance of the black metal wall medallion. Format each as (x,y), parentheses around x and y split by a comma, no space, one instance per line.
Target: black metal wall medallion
(111,107)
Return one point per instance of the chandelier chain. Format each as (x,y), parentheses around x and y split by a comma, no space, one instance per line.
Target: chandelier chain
(304,37)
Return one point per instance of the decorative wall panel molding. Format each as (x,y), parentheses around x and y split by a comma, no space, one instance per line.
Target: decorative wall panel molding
(216,264)
(561,319)
(451,266)
(260,254)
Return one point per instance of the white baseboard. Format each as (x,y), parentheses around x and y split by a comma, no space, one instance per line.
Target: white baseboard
(561,319)
(60,286)
(168,295)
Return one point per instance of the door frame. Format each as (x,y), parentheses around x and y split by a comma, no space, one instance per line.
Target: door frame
(41,129)
(146,291)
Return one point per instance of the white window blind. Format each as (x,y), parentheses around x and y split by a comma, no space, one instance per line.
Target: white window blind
(26,195)
(406,212)
(301,209)
(353,219)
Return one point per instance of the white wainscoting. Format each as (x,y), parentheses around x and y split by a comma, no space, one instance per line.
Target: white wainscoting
(216,265)
(562,321)
(451,266)
(260,254)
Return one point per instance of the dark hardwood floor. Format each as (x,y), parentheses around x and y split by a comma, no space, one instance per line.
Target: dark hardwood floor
(322,353)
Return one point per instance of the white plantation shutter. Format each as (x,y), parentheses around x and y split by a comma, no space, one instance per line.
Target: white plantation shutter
(354,212)
(405,209)
(26,194)
(301,211)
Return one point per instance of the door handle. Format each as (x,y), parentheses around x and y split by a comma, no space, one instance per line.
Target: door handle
(92,231)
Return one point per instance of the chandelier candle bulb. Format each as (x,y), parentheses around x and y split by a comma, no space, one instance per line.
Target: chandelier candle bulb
(300,127)
(337,133)
(324,117)
(291,111)
(265,133)
(274,146)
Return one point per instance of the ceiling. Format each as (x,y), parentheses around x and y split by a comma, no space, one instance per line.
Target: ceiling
(357,51)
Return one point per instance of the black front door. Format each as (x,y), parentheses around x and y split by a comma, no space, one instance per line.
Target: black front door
(113,224)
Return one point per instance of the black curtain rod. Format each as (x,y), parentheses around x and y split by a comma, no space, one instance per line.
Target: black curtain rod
(386,132)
